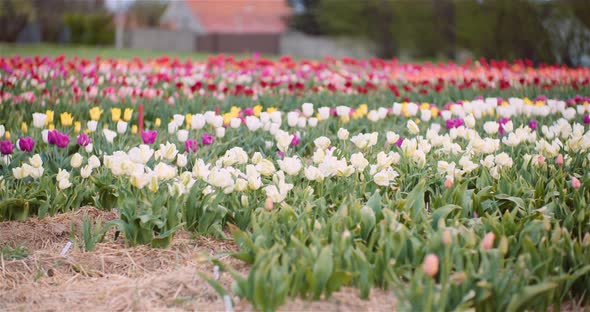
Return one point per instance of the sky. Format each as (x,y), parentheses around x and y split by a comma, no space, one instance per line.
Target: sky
(118,5)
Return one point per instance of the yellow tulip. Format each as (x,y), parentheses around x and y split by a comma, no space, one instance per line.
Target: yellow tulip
(134,129)
(227,118)
(51,127)
(87,131)
(158,122)
(77,126)
(424,106)
(7,135)
(66,119)
(128,113)
(23,127)
(434,111)
(188,120)
(271,110)
(49,119)
(257,110)
(95,113)
(116,114)
(417,121)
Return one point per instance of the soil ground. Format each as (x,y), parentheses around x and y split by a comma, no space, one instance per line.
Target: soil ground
(114,277)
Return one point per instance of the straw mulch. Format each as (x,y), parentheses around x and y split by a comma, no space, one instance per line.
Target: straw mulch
(117,278)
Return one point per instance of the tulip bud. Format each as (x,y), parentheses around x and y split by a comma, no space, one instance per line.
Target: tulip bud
(541,160)
(576,184)
(559,160)
(268,204)
(448,182)
(488,241)
(430,265)
(447,238)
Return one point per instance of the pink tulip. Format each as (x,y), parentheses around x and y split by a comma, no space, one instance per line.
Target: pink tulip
(488,241)
(430,265)
(576,184)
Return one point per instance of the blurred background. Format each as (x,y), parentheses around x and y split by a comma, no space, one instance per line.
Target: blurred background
(543,31)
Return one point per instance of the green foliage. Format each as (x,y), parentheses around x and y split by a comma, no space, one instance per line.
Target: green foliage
(92,234)
(14,253)
(91,29)
(499,29)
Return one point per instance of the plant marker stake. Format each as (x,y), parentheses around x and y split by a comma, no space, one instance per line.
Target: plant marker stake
(140,121)
(64,251)
(227,303)
(216,272)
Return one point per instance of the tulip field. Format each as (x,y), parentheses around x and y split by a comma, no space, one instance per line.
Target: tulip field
(445,186)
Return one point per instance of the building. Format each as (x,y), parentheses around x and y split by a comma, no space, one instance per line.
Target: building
(231,26)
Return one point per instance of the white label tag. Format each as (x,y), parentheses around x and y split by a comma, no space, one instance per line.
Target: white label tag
(216,272)
(64,251)
(227,303)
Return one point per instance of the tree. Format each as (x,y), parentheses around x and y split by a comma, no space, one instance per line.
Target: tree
(14,16)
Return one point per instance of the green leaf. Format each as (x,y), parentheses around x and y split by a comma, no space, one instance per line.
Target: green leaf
(322,270)
(519,301)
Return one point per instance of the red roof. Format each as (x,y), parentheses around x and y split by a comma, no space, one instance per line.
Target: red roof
(241,16)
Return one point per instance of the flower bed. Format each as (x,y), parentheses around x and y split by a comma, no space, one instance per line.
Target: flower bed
(456,186)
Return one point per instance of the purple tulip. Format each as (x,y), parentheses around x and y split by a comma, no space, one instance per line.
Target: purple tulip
(454,123)
(60,139)
(6,147)
(533,124)
(26,144)
(191,145)
(207,139)
(503,121)
(399,142)
(587,119)
(83,139)
(149,136)
(249,111)
(295,140)
(281,154)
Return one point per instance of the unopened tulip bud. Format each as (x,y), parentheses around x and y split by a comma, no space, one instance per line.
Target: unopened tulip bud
(447,238)
(430,265)
(541,160)
(268,204)
(448,182)
(559,160)
(576,183)
(488,241)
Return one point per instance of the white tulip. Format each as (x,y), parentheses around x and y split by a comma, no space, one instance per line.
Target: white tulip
(92,125)
(324,112)
(182,135)
(121,127)
(181,160)
(39,120)
(235,123)
(76,160)
(220,132)
(343,134)
(109,135)
(178,120)
(86,171)
(322,142)
(312,122)
(290,165)
(198,121)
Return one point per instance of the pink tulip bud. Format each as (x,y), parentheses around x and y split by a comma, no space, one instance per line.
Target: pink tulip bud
(448,182)
(541,160)
(559,160)
(430,265)
(269,204)
(576,183)
(488,241)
